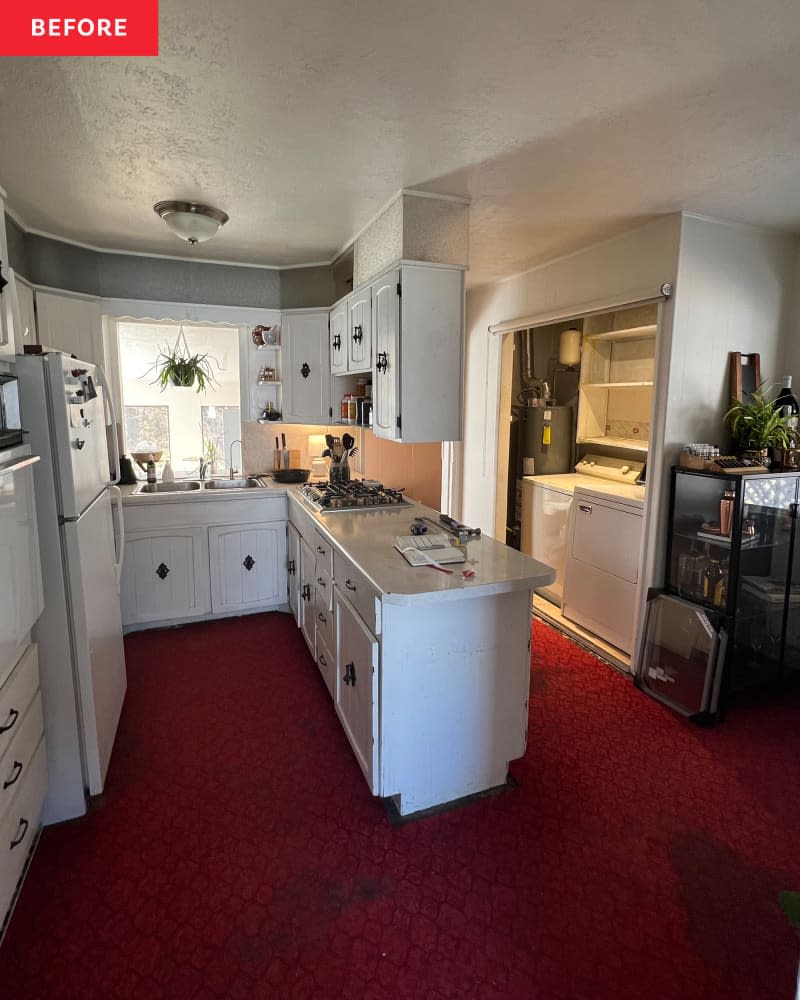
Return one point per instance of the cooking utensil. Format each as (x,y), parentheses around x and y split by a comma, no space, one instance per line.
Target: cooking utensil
(348,441)
(291,475)
(285,463)
(329,439)
(276,455)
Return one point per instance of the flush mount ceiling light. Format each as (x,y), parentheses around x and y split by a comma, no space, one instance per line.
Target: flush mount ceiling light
(190,220)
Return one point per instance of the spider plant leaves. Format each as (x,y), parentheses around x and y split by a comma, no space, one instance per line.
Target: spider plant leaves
(756,423)
(183,370)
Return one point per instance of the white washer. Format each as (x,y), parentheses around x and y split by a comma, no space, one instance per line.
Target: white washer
(546,505)
(601,578)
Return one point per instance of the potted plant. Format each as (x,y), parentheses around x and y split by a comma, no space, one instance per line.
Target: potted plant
(757,424)
(179,367)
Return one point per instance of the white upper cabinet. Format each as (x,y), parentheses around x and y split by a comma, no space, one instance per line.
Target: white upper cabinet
(338,321)
(70,324)
(26,315)
(359,346)
(418,325)
(306,367)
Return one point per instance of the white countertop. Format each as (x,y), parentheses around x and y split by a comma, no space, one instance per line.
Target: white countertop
(367,539)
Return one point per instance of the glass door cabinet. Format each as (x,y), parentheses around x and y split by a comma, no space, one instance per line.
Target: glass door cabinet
(729,617)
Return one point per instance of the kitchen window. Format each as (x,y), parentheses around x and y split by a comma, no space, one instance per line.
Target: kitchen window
(181,423)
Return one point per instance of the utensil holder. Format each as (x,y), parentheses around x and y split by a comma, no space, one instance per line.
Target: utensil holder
(339,473)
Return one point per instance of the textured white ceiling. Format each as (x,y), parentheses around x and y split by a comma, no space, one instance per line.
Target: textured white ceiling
(563,122)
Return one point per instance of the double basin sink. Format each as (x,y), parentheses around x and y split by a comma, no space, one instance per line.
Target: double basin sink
(191,485)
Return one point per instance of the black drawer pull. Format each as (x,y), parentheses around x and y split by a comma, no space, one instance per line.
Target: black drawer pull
(322,618)
(13,715)
(16,770)
(305,593)
(290,568)
(22,830)
(349,585)
(350,673)
(322,660)
(321,551)
(321,581)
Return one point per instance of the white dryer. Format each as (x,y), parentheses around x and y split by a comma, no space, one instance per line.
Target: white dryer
(601,577)
(547,502)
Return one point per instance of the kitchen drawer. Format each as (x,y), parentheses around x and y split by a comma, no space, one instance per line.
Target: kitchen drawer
(20,825)
(16,695)
(324,588)
(326,623)
(359,591)
(326,662)
(324,552)
(16,762)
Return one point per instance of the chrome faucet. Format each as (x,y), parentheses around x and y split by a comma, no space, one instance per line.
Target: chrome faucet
(232,470)
(204,464)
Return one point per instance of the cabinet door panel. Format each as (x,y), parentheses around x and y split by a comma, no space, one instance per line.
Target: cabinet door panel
(360,332)
(306,371)
(338,337)
(247,566)
(307,591)
(386,364)
(357,688)
(293,569)
(165,575)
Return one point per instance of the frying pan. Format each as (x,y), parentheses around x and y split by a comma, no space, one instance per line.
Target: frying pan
(291,475)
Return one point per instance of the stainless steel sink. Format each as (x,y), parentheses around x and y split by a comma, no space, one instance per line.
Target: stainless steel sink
(233,484)
(181,487)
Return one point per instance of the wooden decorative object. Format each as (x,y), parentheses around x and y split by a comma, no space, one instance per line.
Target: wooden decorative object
(745,374)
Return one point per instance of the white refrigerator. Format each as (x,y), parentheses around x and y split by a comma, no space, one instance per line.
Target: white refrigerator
(67,409)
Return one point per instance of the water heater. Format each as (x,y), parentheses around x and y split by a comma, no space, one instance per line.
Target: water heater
(547,436)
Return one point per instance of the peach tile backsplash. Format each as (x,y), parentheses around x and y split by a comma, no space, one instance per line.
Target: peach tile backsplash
(416,468)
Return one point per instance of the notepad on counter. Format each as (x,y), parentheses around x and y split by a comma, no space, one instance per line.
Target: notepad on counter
(425,550)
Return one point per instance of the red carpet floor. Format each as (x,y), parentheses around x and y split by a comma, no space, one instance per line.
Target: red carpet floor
(238,854)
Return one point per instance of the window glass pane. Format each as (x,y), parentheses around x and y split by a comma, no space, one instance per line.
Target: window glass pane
(195,421)
(221,427)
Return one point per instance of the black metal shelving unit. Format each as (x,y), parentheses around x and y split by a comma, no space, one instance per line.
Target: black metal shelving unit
(728,619)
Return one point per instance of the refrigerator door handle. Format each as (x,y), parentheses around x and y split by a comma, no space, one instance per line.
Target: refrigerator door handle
(15,466)
(108,401)
(115,494)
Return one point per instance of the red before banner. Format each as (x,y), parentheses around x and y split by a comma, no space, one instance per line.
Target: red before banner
(79,28)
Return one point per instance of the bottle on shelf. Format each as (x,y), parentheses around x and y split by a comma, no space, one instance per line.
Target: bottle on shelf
(788,405)
(151,470)
(713,583)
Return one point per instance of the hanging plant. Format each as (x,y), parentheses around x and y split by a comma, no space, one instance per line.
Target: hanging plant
(179,367)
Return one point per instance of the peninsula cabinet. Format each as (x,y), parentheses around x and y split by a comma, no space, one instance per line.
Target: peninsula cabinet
(418,334)
(188,559)
(428,672)
(306,366)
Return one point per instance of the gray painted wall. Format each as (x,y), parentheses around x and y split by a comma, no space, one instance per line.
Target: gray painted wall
(50,262)
(17,256)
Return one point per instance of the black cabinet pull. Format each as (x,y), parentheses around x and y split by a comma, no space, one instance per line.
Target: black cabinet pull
(336,343)
(358,334)
(305,371)
(321,581)
(249,563)
(23,829)
(382,363)
(350,586)
(322,660)
(16,770)
(290,568)
(305,593)
(162,571)
(321,550)
(350,674)
(13,715)
(322,618)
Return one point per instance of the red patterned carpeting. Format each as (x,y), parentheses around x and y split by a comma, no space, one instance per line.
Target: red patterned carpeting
(238,853)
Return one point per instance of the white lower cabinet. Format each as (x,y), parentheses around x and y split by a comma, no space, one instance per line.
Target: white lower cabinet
(194,559)
(23,772)
(357,660)
(165,575)
(247,565)
(293,569)
(306,623)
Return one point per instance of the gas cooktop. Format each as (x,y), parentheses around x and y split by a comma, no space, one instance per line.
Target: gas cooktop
(358,494)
